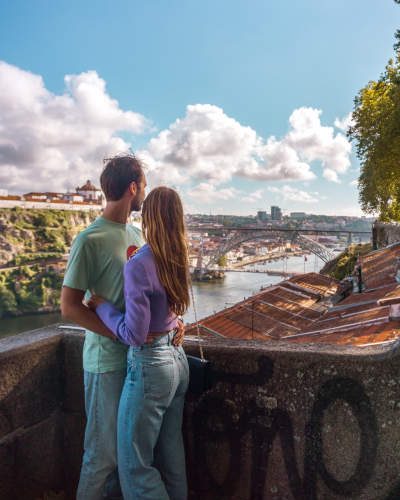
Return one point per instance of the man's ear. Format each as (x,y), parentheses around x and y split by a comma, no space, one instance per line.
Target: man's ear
(132,188)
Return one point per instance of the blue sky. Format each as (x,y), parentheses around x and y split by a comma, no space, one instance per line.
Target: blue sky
(253,62)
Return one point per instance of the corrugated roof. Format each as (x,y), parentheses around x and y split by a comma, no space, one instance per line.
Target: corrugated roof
(349,321)
(374,334)
(304,309)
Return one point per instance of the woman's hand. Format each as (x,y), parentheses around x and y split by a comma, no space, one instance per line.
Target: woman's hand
(94,302)
(178,338)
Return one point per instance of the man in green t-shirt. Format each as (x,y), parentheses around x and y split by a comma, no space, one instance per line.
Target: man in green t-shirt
(95,267)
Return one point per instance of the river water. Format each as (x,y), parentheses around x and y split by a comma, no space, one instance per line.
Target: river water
(208,296)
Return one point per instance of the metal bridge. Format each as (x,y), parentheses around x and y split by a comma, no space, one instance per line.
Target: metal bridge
(305,243)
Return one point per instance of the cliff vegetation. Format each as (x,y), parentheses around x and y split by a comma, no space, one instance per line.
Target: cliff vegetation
(343,264)
(30,235)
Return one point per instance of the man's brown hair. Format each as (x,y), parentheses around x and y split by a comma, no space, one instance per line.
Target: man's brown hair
(119,173)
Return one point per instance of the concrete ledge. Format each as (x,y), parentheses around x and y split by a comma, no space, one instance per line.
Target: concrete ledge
(283,421)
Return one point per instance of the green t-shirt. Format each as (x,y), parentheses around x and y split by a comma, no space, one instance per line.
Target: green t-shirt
(96,266)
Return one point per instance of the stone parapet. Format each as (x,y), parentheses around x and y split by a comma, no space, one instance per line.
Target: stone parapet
(283,421)
(384,235)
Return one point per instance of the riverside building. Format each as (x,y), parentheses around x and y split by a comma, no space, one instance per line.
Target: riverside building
(85,198)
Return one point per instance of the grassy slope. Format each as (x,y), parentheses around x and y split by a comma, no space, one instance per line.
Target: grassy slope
(343,264)
(49,230)
(49,233)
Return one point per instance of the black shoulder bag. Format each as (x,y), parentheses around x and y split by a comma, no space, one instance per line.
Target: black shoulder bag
(200,374)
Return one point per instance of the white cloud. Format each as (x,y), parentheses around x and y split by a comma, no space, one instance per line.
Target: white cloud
(331,176)
(353,211)
(324,197)
(253,197)
(315,142)
(207,193)
(293,194)
(50,141)
(345,122)
(354,183)
(207,145)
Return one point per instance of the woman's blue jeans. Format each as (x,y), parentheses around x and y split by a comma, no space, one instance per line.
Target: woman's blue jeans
(151,456)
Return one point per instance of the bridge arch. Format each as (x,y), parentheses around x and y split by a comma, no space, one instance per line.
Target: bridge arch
(305,243)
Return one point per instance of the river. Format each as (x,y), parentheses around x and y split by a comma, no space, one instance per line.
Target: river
(208,296)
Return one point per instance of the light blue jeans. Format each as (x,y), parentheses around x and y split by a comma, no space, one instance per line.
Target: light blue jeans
(99,475)
(151,456)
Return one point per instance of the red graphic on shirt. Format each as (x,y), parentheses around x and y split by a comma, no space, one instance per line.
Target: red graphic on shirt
(131,252)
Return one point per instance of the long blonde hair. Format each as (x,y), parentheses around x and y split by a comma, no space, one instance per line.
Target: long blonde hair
(163,228)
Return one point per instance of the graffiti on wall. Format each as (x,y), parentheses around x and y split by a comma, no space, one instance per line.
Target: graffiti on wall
(213,408)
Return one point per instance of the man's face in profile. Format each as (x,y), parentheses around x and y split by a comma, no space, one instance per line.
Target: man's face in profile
(137,201)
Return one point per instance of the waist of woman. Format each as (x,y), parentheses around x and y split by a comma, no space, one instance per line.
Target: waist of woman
(151,336)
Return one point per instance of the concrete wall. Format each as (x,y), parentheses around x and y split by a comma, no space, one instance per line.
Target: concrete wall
(42,205)
(298,422)
(385,234)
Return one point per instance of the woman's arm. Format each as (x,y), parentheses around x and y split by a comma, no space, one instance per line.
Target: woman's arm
(132,327)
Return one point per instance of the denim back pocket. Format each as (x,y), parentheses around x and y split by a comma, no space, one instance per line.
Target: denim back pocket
(158,379)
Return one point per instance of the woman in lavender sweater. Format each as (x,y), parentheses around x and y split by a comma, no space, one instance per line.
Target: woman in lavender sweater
(151,459)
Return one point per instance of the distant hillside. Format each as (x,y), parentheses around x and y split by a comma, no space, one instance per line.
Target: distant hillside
(25,234)
(343,264)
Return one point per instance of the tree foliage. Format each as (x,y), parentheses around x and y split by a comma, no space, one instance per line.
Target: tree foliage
(376,129)
(8,304)
(222,261)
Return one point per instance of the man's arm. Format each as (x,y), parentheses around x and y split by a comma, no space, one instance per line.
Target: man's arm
(72,308)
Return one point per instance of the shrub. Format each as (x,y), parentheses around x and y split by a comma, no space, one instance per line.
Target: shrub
(29,301)
(8,304)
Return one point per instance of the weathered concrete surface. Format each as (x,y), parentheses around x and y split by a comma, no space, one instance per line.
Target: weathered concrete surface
(312,422)
(384,235)
(294,422)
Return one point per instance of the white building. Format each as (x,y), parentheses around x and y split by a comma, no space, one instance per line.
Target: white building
(89,192)
(297,215)
(72,197)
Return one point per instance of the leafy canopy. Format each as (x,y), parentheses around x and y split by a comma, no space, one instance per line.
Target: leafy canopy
(376,129)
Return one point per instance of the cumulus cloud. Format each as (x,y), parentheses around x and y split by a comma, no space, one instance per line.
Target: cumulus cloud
(50,141)
(207,193)
(253,197)
(354,183)
(331,175)
(293,194)
(345,122)
(207,145)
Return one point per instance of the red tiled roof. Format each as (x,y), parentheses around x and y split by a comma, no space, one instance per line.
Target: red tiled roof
(88,187)
(11,198)
(381,294)
(373,334)
(298,288)
(349,321)
(293,296)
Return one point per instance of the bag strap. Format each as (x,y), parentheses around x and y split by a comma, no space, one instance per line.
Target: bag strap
(195,316)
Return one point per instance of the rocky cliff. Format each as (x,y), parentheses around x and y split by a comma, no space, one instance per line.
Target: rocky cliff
(29,231)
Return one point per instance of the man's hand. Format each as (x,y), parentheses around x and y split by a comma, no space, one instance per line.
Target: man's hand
(73,309)
(94,302)
(178,338)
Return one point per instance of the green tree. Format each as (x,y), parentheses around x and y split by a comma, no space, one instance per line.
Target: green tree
(222,261)
(29,301)
(8,304)
(376,130)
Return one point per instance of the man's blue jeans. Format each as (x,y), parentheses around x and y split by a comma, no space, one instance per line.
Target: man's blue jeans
(151,456)
(99,475)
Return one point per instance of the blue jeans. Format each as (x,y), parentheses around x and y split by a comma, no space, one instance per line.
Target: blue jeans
(99,475)
(151,456)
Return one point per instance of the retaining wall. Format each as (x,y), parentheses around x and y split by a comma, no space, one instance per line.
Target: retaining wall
(384,235)
(298,422)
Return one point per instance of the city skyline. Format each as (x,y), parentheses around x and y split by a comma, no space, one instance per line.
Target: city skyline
(248,112)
